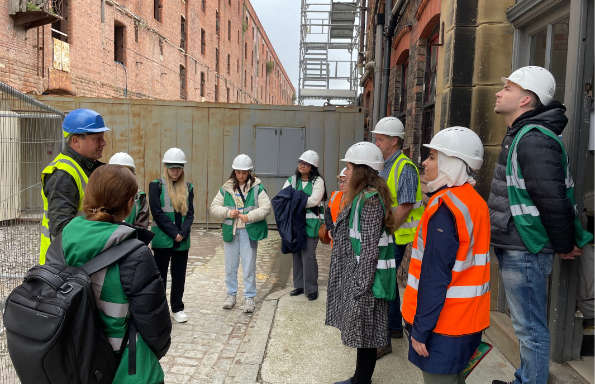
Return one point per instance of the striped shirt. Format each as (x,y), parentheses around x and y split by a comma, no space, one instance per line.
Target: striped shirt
(407,182)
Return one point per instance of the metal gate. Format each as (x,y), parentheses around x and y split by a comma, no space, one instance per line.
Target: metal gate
(30,137)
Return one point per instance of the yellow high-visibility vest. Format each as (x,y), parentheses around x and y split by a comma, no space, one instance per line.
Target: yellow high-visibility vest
(70,166)
(406,232)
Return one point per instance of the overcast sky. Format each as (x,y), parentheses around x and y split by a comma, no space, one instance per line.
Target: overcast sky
(281,20)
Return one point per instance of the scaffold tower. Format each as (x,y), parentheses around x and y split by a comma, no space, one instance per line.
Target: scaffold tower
(329,36)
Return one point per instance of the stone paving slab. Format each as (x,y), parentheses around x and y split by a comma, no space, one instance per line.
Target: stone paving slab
(207,348)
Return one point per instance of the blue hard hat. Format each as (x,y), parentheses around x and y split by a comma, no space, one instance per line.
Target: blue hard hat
(82,120)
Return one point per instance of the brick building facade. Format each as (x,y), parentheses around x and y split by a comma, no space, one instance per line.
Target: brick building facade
(446,59)
(201,50)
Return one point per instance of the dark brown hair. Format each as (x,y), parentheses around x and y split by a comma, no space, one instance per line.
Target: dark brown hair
(236,183)
(363,177)
(108,192)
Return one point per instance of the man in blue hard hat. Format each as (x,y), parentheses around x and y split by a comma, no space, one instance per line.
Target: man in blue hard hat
(63,181)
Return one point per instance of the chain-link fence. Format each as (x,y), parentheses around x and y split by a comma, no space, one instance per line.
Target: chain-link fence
(30,137)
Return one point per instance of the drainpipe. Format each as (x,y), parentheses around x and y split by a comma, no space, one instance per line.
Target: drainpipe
(391,21)
(362,28)
(377,68)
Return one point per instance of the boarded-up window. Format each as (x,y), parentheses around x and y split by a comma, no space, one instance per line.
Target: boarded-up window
(202,84)
(277,149)
(203,42)
(119,51)
(183,33)
(157,9)
(182,82)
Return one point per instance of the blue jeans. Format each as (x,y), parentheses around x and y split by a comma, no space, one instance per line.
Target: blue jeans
(395,320)
(241,247)
(525,280)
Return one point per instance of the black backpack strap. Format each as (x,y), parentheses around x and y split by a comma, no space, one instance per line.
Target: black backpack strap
(55,253)
(111,255)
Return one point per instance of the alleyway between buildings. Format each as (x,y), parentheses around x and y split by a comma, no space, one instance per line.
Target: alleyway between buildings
(284,341)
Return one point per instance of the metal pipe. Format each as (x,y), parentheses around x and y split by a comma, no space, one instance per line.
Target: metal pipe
(391,21)
(385,60)
(377,68)
(362,28)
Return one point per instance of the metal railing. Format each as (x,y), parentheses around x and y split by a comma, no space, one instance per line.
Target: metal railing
(30,137)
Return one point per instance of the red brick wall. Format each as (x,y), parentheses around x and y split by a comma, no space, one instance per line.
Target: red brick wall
(26,57)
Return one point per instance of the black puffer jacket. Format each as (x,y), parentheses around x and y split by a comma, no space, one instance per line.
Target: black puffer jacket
(540,160)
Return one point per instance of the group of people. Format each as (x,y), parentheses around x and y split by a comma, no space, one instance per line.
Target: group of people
(530,216)
(378,210)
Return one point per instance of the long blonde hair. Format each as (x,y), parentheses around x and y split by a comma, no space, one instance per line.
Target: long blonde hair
(177,191)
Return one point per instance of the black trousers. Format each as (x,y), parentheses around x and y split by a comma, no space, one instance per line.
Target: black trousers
(364,368)
(179,261)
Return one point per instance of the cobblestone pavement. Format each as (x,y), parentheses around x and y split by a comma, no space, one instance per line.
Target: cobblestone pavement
(207,349)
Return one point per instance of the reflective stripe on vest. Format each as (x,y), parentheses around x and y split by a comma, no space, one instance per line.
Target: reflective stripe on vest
(406,232)
(525,214)
(313,220)
(70,166)
(384,286)
(468,292)
(257,230)
(161,239)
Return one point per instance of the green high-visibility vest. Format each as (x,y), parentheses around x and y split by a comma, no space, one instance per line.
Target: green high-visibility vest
(524,212)
(162,239)
(83,239)
(385,279)
(136,207)
(406,232)
(70,166)
(313,220)
(256,231)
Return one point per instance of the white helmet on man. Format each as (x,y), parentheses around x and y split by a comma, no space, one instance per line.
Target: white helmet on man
(310,157)
(365,153)
(122,158)
(390,126)
(242,162)
(459,142)
(535,79)
(174,156)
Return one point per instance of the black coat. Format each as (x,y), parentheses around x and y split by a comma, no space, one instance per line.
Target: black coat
(540,159)
(289,206)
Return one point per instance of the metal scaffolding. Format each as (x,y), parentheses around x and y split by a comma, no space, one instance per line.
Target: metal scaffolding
(329,36)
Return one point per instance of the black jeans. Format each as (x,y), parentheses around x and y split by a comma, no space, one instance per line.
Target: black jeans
(364,368)
(179,260)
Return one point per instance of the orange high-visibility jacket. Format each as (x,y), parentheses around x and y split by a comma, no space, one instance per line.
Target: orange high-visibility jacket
(466,308)
(334,204)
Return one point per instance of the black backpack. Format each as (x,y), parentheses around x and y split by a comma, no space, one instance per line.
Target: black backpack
(53,330)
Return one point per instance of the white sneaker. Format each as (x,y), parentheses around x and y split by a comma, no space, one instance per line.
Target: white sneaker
(249,305)
(180,317)
(229,302)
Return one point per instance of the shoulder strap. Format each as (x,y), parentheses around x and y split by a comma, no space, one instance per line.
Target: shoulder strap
(111,255)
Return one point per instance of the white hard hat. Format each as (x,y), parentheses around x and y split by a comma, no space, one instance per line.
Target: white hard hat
(242,162)
(342,174)
(390,126)
(535,79)
(365,153)
(122,158)
(459,142)
(174,156)
(310,157)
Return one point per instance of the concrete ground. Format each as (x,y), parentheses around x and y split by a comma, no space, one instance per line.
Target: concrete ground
(285,340)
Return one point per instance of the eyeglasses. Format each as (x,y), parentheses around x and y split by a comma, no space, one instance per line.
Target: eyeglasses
(301,162)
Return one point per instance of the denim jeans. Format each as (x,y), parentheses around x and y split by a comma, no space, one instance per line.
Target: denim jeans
(241,247)
(525,279)
(395,320)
